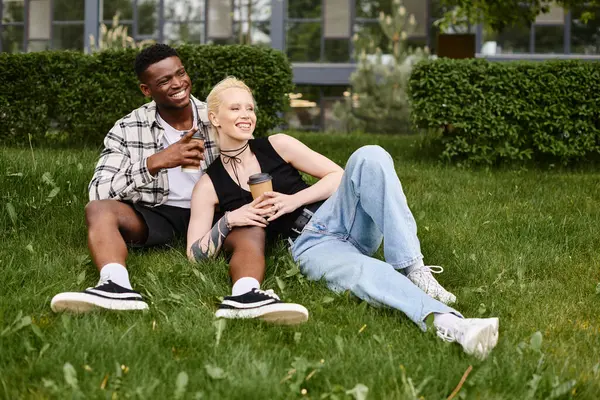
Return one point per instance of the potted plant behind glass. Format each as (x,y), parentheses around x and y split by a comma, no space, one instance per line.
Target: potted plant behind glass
(455,39)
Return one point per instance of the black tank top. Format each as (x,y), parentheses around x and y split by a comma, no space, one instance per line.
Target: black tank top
(286,180)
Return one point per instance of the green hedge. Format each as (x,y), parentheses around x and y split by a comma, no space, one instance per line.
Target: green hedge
(491,112)
(74,97)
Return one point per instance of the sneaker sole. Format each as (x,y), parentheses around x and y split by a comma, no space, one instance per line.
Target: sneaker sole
(481,343)
(284,314)
(82,303)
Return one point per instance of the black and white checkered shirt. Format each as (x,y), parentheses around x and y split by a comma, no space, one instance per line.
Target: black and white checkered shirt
(122,173)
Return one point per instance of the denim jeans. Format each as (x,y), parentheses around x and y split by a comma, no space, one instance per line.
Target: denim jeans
(340,239)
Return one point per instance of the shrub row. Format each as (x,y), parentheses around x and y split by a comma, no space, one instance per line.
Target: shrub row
(77,97)
(504,112)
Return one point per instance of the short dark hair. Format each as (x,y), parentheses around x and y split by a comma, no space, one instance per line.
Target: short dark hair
(152,55)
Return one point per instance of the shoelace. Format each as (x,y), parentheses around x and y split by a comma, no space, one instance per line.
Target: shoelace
(445,335)
(101,282)
(268,292)
(435,269)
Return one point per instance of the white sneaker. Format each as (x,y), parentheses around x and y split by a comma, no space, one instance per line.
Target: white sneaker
(477,336)
(424,280)
(262,304)
(106,295)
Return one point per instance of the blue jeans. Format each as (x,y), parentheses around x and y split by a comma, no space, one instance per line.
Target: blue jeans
(340,239)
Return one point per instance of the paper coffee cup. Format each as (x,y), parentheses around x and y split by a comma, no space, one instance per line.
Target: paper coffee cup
(260,183)
(189,168)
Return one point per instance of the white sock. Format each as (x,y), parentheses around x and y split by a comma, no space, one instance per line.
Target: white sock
(116,273)
(445,320)
(244,285)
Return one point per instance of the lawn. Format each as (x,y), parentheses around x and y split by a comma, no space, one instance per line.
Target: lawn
(521,245)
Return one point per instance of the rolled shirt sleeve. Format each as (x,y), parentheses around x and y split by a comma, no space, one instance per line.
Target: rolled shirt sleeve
(117,175)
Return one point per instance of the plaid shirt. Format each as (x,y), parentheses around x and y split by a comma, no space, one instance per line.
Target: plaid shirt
(122,173)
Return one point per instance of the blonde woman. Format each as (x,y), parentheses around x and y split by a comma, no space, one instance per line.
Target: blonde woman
(363,204)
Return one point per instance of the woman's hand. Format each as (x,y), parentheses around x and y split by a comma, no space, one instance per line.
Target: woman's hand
(277,204)
(249,215)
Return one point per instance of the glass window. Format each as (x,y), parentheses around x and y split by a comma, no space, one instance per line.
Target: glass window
(13,11)
(185,32)
(371,31)
(370,34)
(433,34)
(418,8)
(67,10)
(12,39)
(147,23)
(372,8)
(67,37)
(304,112)
(38,45)
(240,33)
(437,9)
(585,37)
(549,39)
(116,43)
(513,40)
(416,42)
(304,41)
(261,33)
(304,8)
(367,31)
(186,10)
(337,50)
(334,91)
(555,16)
(112,7)
(258,10)
(223,41)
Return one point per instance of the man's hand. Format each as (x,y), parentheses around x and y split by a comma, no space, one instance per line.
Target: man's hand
(185,152)
(249,215)
(278,204)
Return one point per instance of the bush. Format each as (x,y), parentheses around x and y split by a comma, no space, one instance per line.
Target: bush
(495,112)
(77,97)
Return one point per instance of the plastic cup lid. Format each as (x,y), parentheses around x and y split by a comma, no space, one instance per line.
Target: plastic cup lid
(259,178)
(197,134)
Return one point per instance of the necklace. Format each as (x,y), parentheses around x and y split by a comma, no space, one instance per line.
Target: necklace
(234,160)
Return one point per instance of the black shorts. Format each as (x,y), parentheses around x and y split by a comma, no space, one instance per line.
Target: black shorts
(165,223)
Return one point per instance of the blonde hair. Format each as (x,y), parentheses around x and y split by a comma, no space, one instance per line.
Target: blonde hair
(213,100)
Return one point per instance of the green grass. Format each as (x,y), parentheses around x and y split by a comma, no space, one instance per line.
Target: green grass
(520,245)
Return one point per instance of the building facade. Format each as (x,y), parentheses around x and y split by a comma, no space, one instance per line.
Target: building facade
(315,34)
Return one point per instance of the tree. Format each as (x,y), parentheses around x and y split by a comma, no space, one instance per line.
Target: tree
(379,102)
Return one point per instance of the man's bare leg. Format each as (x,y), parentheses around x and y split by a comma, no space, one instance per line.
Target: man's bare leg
(111,225)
